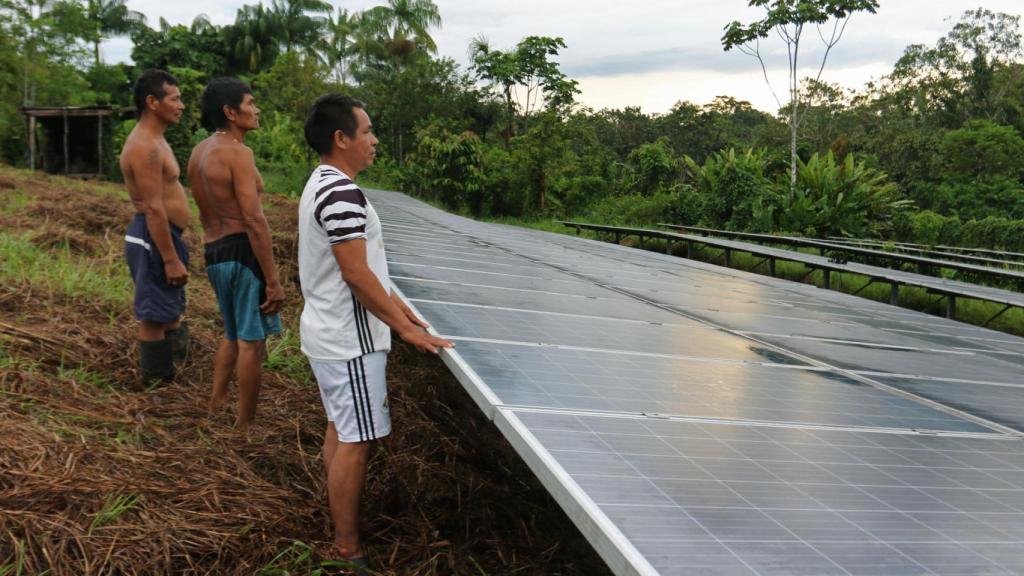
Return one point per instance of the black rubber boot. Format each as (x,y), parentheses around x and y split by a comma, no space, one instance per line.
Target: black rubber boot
(179,340)
(156,360)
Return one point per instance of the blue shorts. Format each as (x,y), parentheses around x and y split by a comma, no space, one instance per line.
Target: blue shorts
(238,282)
(155,299)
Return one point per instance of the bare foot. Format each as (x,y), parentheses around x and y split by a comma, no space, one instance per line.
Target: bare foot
(215,404)
(243,427)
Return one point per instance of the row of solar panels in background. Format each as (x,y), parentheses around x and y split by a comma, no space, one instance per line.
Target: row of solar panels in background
(697,420)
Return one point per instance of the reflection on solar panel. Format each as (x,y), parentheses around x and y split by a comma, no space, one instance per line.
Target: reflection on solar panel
(692,419)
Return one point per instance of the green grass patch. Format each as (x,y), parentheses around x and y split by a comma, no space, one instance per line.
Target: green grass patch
(16,568)
(299,559)
(284,355)
(546,224)
(13,201)
(113,508)
(85,376)
(59,271)
(10,360)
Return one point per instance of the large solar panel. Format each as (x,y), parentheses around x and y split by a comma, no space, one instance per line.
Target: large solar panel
(729,498)
(692,419)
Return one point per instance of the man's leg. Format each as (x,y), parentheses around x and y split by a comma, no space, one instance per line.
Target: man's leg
(223,367)
(150,331)
(249,371)
(346,475)
(330,446)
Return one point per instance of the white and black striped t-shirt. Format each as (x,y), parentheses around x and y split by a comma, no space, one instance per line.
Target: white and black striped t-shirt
(334,325)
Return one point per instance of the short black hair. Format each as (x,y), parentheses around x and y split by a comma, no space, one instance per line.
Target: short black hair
(151,83)
(221,92)
(330,113)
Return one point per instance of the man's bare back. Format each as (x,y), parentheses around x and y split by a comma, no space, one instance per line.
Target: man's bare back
(222,170)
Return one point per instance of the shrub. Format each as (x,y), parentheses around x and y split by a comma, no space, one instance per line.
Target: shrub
(650,167)
(633,209)
(728,187)
(839,198)
(281,153)
(446,166)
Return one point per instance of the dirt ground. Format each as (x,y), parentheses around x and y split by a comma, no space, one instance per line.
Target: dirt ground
(101,476)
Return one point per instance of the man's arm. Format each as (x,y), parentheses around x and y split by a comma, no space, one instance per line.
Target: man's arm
(351,258)
(244,181)
(147,169)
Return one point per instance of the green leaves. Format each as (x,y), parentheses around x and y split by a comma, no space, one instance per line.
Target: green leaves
(446,167)
(530,67)
(835,197)
(781,13)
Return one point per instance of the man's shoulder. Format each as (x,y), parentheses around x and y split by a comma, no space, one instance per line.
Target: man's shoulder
(138,144)
(197,152)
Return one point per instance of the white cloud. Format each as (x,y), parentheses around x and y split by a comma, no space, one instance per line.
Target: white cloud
(648,53)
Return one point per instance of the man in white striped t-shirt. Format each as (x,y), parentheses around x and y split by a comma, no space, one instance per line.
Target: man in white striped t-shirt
(348,316)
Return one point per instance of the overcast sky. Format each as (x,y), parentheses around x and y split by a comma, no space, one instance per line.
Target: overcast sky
(651,54)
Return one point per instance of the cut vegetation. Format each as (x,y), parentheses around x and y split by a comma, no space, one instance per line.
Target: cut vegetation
(100,476)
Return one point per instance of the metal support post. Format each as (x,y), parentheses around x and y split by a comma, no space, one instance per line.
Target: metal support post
(861,289)
(67,132)
(997,314)
(99,145)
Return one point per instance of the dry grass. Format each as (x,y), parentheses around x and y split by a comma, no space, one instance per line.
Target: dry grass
(100,476)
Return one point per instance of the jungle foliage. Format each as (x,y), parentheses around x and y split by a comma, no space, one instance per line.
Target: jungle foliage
(929,152)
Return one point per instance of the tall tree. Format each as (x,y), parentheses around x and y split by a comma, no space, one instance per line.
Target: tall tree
(254,38)
(339,43)
(300,22)
(789,19)
(969,73)
(404,25)
(108,18)
(525,75)
(45,31)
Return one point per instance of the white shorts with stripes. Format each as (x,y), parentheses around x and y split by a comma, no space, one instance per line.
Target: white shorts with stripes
(355,396)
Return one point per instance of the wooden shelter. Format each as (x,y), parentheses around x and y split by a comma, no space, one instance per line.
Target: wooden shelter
(71,138)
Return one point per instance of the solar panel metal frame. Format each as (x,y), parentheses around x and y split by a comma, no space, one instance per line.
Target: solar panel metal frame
(611,544)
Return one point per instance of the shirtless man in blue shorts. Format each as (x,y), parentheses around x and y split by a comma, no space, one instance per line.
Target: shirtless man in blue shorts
(156,254)
(239,256)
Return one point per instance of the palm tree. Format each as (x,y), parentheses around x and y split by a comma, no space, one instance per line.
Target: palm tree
(110,18)
(253,38)
(296,24)
(404,25)
(340,42)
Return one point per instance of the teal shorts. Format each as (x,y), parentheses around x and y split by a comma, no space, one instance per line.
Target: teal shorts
(238,282)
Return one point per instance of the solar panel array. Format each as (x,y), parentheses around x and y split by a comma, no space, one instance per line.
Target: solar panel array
(692,419)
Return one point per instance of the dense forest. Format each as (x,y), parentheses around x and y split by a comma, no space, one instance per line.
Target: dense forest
(931,152)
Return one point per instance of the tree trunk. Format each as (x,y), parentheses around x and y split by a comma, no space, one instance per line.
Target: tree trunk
(96,51)
(542,199)
(792,151)
(511,115)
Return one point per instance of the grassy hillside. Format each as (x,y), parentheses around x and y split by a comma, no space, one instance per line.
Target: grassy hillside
(101,476)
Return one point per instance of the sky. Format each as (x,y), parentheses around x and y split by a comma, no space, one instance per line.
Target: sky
(652,53)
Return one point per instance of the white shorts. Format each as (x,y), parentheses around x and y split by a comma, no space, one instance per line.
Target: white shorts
(355,396)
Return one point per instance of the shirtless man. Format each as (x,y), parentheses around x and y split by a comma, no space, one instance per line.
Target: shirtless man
(239,256)
(156,254)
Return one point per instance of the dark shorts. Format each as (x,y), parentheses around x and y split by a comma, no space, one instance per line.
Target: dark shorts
(155,299)
(238,281)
